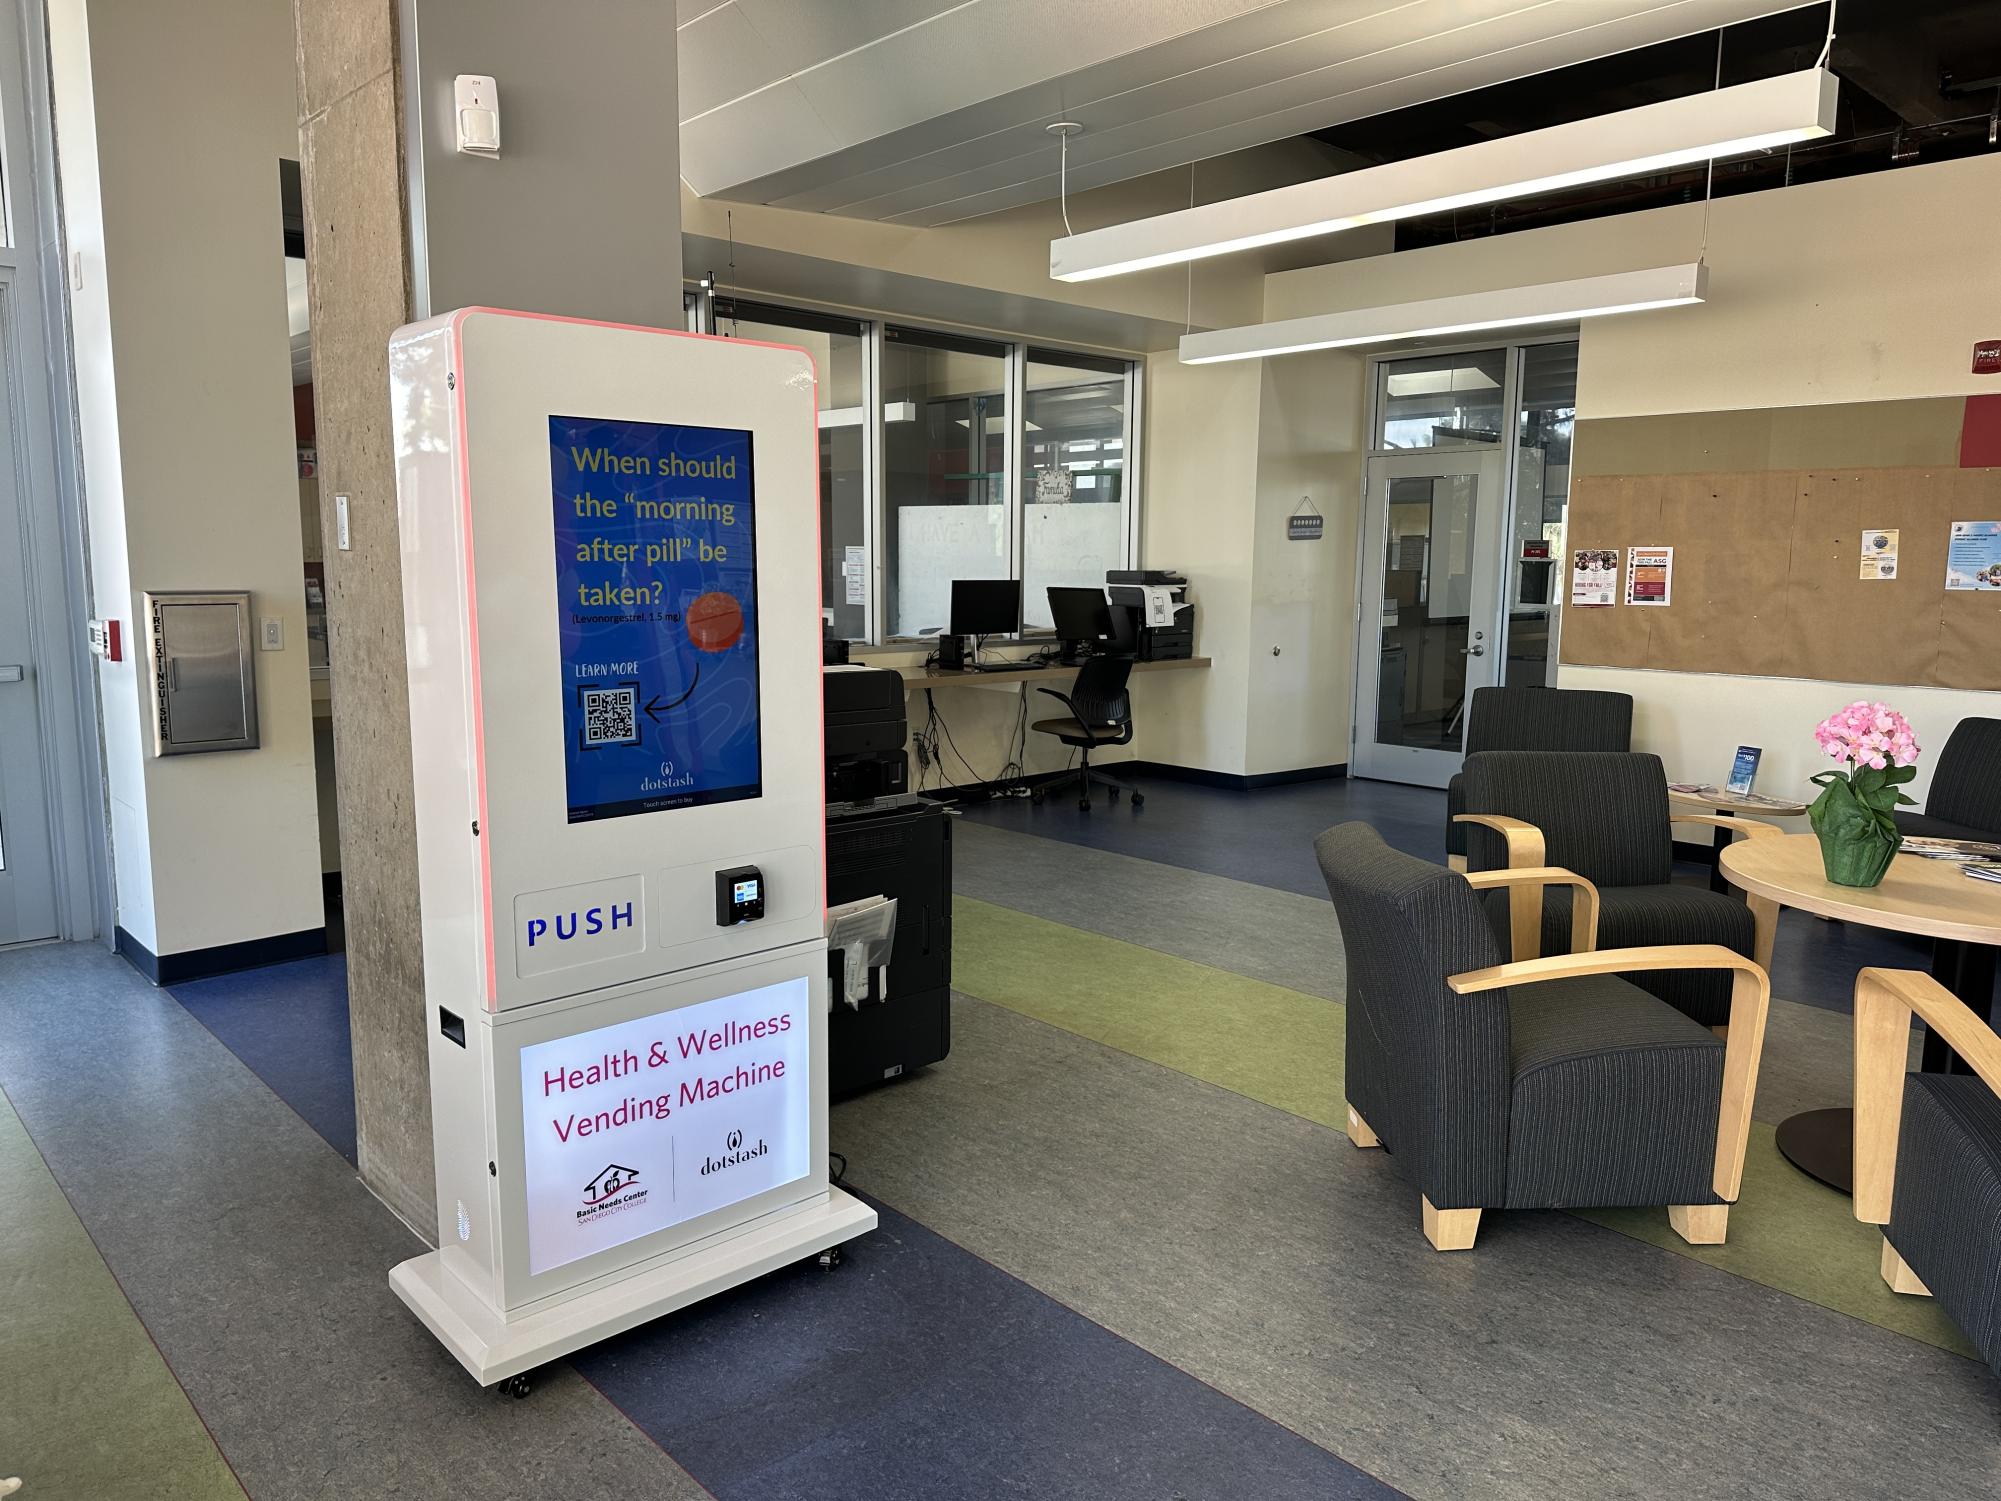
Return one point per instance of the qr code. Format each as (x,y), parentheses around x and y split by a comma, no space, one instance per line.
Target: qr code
(611,716)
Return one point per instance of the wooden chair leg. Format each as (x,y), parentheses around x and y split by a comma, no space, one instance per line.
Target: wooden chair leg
(1359,1132)
(1450,1229)
(1700,1224)
(1897,1272)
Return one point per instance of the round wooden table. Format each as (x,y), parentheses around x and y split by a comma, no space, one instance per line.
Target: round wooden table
(1721,800)
(1929,898)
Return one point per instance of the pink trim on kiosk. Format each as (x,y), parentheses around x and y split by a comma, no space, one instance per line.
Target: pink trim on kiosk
(472,592)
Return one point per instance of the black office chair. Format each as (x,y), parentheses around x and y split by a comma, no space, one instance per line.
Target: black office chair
(1100,715)
(1605,815)
(1536,719)
(1965,800)
(1548,1085)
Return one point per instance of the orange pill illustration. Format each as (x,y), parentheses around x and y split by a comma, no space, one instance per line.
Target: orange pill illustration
(715,621)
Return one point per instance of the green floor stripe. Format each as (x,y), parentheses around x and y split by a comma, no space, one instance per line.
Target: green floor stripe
(1794,1234)
(1278,1046)
(87,1406)
(1285,1049)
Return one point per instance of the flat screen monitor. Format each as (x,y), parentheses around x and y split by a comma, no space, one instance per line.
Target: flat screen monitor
(1080,614)
(986,607)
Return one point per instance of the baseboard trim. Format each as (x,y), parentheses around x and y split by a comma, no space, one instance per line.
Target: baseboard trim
(223,958)
(1236,782)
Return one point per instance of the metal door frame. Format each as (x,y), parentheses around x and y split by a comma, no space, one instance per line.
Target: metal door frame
(1415,765)
(40,379)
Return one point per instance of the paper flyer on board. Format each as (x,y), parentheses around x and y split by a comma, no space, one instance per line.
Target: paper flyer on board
(1649,576)
(1879,552)
(1594,577)
(1973,555)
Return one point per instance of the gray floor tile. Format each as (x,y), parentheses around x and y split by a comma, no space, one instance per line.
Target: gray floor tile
(260,1264)
(1267,1256)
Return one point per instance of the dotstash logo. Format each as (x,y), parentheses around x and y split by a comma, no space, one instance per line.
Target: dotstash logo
(613,1188)
(735,1153)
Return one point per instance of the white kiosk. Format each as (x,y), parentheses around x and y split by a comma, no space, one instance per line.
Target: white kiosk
(611,586)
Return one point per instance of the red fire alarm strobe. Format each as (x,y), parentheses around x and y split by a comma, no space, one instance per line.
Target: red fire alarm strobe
(1987,357)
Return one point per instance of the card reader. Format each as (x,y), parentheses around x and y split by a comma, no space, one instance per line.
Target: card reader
(739,895)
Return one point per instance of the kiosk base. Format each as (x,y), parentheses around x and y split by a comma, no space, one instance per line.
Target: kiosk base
(493,1349)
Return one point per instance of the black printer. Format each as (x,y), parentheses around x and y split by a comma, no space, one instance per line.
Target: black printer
(866,729)
(1156,603)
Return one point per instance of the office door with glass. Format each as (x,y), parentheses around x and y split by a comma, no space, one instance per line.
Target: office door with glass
(1432,528)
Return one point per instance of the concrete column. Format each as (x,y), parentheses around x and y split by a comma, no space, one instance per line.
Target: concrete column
(579,216)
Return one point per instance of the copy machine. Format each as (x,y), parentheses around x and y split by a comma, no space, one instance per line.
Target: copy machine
(1157,604)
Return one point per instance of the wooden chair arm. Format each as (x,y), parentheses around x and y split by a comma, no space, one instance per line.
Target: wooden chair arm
(1583,907)
(1885,1000)
(1525,842)
(1525,852)
(1764,911)
(1750,828)
(1750,998)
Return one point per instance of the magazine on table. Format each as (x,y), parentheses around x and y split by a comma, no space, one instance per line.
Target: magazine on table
(1963,851)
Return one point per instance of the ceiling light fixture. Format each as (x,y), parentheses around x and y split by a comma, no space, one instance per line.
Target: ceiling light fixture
(1509,307)
(1724,122)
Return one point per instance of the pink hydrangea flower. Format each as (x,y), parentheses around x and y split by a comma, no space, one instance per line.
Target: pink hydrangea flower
(1866,734)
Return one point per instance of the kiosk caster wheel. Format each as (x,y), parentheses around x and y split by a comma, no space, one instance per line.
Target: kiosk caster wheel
(1139,799)
(830,1258)
(1083,805)
(517,1387)
(1112,793)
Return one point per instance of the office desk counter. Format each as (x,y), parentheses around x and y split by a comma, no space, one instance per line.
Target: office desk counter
(917,675)
(1929,898)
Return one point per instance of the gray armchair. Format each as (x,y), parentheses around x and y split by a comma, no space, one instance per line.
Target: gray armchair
(1536,719)
(1605,815)
(1965,797)
(1928,1151)
(1549,1083)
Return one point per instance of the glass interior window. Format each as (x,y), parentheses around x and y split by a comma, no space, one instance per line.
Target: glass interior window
(1441,401)
(1542,497)
(836,347)
(944,446)
(1073,491)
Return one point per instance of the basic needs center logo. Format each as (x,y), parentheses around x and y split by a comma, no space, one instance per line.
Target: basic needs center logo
(611,1189)
(735,1154)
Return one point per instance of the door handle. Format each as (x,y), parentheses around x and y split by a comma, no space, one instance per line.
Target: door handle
(1472,651)
(12,672)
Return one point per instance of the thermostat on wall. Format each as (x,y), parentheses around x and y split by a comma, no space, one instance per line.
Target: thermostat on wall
(476,109)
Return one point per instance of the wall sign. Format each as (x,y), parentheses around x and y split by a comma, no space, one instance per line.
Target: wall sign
(1650,576)
(1305,524)
(631,1128)
(1594,577)
(1987,357)
(1973,555)
(1879,552)
(656,608)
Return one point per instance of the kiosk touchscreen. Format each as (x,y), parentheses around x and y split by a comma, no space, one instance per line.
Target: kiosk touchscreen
(611,604)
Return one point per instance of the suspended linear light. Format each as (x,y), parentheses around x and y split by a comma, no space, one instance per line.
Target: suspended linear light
(1510,307)
(1725,122)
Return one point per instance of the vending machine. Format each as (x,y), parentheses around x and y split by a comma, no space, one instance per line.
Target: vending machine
(611,604)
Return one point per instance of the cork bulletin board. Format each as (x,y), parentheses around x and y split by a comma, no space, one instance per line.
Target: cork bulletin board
(1768,575)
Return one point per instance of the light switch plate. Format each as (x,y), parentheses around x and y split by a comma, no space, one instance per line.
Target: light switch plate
(273,637)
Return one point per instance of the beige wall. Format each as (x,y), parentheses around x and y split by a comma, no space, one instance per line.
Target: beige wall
(1866,289)
(184,410)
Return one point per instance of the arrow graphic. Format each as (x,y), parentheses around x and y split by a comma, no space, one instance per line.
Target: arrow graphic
(654,708)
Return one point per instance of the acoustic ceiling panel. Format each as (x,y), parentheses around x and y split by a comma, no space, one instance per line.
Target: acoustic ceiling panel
(925,112)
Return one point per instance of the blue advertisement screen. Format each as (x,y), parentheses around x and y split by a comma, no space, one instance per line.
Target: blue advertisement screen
(656,599)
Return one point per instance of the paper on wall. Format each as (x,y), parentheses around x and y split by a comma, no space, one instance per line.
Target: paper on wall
(852,577)
(1594,577)
(1879,552)
(1650,576)
(1973,555)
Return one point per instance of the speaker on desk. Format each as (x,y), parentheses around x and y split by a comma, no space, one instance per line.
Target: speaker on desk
(952,653)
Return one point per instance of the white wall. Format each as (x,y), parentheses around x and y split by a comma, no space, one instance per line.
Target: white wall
(170,123)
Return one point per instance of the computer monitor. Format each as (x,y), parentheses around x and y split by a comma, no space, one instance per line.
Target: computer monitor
(1081,615)
(985,607)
